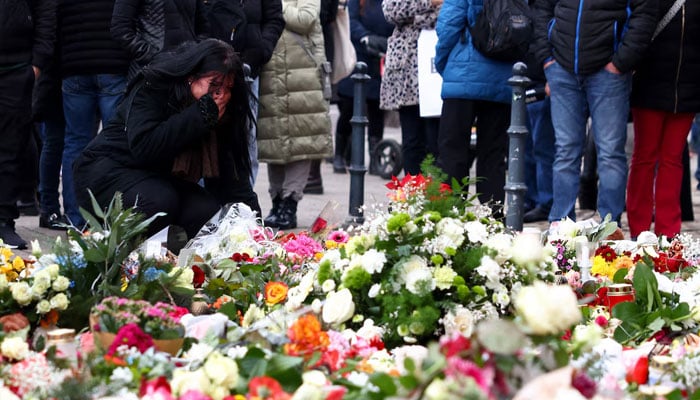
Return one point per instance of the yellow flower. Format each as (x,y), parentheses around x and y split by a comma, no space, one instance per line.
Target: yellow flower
(623,262)
(6,253)
(602,268)
(275,292)
(18,264)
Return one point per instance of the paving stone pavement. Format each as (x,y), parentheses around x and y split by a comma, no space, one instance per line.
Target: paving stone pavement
(336,189)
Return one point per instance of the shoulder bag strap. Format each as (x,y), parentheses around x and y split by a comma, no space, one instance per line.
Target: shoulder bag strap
(668,17)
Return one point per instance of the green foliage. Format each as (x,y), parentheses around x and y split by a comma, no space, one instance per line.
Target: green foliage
(651,311)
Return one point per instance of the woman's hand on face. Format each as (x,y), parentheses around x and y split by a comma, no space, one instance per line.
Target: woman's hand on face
(221,97)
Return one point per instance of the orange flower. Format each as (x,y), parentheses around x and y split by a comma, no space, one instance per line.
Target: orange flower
(275,292)
(306,336)
(49,319)
(266,388)
(221,301)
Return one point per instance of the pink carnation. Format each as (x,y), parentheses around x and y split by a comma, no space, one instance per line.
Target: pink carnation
(303,246)
(339,236)
(482,377)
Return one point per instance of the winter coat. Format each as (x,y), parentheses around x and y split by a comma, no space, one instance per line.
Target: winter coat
(145,27)
(668,77)
(145,136)
(466,73)
(369,21)
(293,119)
(27,32)
(583,36)
(85,44)
(264,25)
(400,81)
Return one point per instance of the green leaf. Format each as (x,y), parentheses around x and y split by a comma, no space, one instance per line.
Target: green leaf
(230,310)
(620,275)
(408,381)
(385,383)
(286,370)
(409,364)
(656,325)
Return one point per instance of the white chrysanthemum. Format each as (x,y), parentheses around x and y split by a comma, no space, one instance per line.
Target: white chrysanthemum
(444,277)
(416,275)
(501,243)
(452,229)
(476,231)
(527,249)
(490,270)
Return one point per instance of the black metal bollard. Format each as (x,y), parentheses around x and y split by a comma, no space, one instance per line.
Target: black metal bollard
(357,159)
(517,132)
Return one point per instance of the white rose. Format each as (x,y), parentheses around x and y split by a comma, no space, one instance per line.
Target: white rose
(460,320)
(490,270)
(184,380)
(416,274)
(328,285)
(527,249)
(60,284)
(476,231)
(59,302)
(43,307)
(21,293)
(3,282)
(15,348)
(222,370)
(374,290)
(315,378)
(547,309)
(308,392)
(373,261)
(53,270)
(316,306)
(338,307)
(501,243)
(184,280)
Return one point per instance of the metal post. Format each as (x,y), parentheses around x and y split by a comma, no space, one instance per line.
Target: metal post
(357,160)
(517,132)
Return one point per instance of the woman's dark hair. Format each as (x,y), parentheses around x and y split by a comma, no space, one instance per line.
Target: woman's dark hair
(194,59)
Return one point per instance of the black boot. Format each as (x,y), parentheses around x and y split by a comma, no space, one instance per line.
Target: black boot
(288,214)
(9,236)
(272,219)
(373,167)
(314,183)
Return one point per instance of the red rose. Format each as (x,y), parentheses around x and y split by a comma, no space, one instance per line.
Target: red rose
(199,276)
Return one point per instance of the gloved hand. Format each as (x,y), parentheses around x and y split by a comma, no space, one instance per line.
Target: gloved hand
(374,45)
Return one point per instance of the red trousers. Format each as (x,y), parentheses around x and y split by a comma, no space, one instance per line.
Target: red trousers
(654,182)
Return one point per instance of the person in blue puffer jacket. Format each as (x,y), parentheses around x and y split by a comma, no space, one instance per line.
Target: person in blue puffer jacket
(475,91)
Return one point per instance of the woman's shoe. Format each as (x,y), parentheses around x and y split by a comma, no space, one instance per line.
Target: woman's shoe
(271,220)
(339,166)
(288,214)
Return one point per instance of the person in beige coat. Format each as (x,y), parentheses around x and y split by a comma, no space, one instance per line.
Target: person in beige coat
(294,126)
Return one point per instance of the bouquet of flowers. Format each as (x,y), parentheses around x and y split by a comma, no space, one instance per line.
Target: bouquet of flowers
(159,321)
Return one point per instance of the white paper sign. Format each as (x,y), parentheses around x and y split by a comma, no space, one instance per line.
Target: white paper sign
(429,81)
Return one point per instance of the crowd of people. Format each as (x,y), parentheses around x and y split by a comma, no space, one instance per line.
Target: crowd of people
(148,99)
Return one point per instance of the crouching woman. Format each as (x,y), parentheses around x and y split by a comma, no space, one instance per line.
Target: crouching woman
(184,118)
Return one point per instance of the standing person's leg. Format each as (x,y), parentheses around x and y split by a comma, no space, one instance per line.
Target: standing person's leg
(375,131)
(15,127)
(530,202)
(491,153)
(292,192)
(608,100)
(413,146)
(112,89)
(540,116)
(275,177)
(343,132)
(569,121)
(588,189)
(52,130)
(670,173)
(29,165)
(453,139)
(648,126)
(687,213)
(80,101)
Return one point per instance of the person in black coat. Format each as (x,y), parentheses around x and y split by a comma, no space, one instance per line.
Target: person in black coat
(145,27)
(27,36)
(665,97)
(184,118)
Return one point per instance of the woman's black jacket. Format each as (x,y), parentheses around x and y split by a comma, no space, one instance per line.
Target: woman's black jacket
(146,135)
(668,77)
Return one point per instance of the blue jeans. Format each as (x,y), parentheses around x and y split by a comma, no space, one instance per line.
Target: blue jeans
(606,96)
(52,132)
(542,136)
(83,97)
